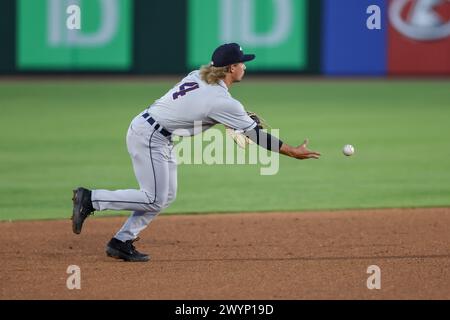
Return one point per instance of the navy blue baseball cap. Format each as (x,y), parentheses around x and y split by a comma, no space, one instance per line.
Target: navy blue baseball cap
(229,53)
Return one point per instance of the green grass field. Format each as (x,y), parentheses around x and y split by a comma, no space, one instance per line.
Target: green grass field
(59,135)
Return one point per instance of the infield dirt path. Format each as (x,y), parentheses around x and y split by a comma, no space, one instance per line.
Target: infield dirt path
(307,255)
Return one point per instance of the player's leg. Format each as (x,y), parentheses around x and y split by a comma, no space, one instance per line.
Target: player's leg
(173,178)
(149,154)
(139,220)
(156,184)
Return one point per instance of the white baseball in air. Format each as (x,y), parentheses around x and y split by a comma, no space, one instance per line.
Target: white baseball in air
(348,150)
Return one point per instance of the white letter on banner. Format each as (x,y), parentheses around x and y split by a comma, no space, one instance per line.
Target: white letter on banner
(108,28)
(237,20)
(54,25)
(374,21)
(74,20)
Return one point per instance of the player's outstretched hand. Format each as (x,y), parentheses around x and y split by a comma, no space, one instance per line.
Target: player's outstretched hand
(301,152)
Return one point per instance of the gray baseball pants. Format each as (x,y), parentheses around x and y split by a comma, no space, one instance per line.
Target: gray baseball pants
(155,167)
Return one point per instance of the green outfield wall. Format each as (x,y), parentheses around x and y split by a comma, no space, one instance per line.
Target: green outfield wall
(329,37)
(155,37)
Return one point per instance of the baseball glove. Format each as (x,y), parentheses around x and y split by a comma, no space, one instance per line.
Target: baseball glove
(239,138)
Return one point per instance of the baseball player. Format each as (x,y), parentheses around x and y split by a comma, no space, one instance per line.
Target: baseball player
(201,96)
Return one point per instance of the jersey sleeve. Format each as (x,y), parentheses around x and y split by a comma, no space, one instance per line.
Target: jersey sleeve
(231,113)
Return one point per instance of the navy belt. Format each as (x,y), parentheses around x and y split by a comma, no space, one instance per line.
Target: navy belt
(156,125)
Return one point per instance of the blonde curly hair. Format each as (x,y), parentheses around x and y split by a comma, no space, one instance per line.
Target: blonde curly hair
(211,74)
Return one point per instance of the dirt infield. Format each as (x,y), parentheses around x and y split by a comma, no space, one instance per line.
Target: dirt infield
(307,255)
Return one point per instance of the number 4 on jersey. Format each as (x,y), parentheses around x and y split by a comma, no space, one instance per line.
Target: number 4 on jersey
(185,87)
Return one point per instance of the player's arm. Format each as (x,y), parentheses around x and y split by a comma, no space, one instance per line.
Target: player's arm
(269,142)
(231,113)
(301,152)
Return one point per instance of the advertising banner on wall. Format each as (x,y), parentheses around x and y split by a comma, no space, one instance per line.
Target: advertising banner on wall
(47,40)
(413,37)
(419,37)
(275,30)
(349,46)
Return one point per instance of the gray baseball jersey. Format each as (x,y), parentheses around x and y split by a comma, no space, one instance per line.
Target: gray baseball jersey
(152,154)
(194,100)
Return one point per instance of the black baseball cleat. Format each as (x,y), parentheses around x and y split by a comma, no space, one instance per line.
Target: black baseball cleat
(82,208)
(125,251)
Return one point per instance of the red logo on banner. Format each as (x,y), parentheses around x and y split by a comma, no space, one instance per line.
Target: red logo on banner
(419,37)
